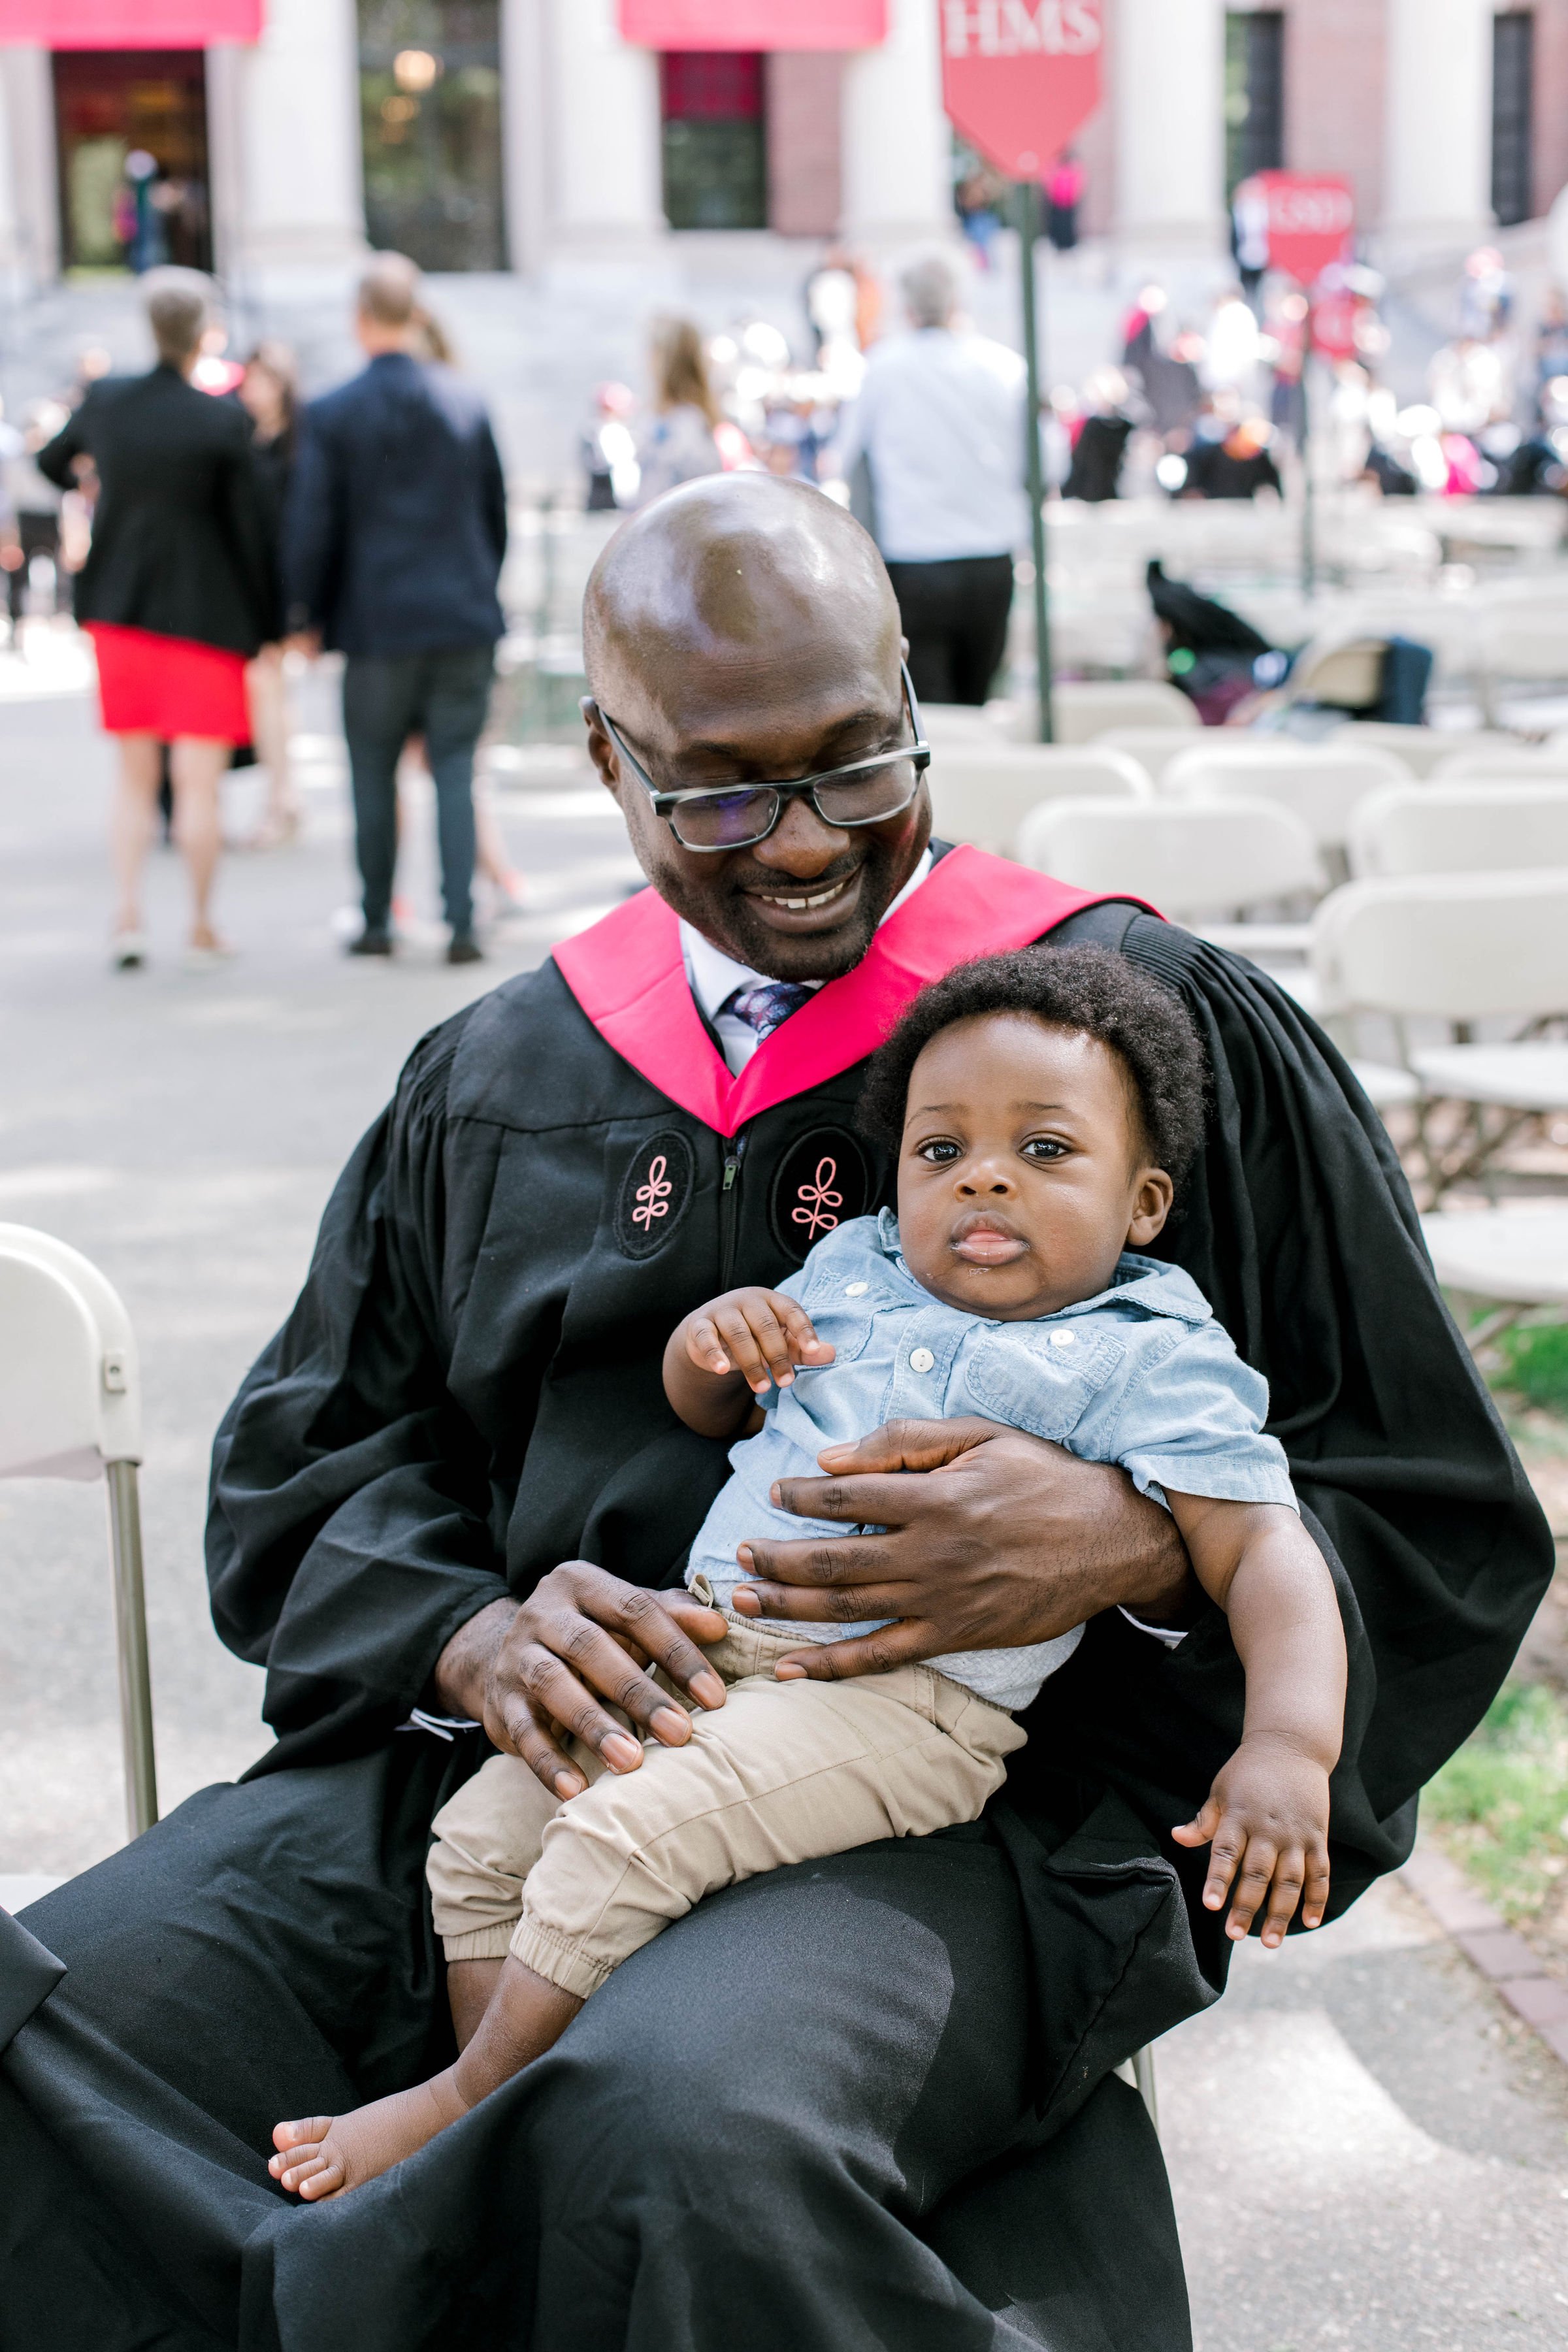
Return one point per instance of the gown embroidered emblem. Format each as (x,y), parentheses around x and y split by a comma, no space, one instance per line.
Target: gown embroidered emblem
(654,1193)
(817,1201)
(821,1181)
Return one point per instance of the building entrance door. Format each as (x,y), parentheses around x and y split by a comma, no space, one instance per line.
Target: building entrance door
(130,130)
(430,74)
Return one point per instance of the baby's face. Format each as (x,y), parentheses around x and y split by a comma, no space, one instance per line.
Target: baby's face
(1022,1178)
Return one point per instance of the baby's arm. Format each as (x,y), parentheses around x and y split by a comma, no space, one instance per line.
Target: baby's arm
(733,1350)
(1267,1812)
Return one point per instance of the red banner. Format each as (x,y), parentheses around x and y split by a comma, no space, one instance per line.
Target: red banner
(754,24)
(1310,217)
(1020,77)
(130,24)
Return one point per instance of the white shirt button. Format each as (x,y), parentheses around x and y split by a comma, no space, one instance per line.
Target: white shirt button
(855,1289)
(920,1360)
(1063,1338)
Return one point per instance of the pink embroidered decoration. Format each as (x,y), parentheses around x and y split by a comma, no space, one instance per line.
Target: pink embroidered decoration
(653,1198)
(816,1200)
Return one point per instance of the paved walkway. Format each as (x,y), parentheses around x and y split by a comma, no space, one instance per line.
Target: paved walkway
(1369,2153)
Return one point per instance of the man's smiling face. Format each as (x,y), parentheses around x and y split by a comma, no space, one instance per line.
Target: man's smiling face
(744,630)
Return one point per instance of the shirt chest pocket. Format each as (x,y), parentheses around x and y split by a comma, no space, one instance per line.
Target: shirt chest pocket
(1038,1386)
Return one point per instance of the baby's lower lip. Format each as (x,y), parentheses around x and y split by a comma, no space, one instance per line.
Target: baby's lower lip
(990,1249)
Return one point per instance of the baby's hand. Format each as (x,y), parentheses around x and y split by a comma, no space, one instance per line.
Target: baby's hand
(1267,1820)
(758,1333)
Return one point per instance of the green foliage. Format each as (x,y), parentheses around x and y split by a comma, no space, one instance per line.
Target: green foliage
(1535,1363)
(1503,1799)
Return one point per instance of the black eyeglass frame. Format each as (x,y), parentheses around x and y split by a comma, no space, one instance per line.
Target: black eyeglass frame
(666,803)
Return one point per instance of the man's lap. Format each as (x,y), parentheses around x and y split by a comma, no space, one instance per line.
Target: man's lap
(848,2037)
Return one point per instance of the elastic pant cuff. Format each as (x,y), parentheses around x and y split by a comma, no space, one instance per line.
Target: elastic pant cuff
(558,1960)
(479,1943)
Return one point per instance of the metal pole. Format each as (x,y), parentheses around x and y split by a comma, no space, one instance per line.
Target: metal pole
(1308,492)
(1028,230)
(131,1644)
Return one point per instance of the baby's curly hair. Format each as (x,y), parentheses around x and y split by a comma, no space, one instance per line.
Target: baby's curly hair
(1087,989)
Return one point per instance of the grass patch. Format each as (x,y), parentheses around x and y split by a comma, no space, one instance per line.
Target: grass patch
(1503,1799)
(1535,1364)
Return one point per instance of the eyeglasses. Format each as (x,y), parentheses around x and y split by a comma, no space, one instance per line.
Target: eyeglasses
(734,816)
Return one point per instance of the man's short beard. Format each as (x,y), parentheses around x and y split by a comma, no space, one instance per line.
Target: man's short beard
(730,920)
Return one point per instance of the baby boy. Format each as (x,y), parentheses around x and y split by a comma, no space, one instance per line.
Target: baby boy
(1043,1107)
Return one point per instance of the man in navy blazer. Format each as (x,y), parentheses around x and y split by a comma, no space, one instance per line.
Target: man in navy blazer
(393,536)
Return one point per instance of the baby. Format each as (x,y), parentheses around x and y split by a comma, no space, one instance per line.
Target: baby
(1043,1107)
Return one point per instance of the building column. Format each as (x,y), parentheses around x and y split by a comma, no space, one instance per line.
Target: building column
(897,147)
(296,180)
(605,171)
(1167,62)
(1437,176)
(32,215)
(525,147)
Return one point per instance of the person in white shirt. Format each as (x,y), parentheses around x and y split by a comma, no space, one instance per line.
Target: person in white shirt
(939,422)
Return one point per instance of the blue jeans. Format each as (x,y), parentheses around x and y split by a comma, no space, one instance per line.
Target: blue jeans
(388,697)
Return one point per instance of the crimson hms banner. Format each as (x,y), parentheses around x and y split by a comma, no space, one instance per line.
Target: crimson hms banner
(754,24)
(130,24)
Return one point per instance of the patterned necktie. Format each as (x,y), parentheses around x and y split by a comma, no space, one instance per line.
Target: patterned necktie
(767,1004)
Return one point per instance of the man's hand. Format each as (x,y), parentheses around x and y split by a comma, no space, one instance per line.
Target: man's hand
(508,1669)
(1004,1540)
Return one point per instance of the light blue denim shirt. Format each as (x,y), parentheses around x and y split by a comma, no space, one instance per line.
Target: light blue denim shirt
(1140,1375)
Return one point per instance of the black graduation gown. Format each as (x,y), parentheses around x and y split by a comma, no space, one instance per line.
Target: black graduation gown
(468,1392)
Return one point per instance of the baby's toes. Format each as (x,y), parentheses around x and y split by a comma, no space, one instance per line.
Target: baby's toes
(309,2130)
(326,2178)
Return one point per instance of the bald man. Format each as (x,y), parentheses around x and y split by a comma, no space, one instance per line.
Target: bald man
(866,2101)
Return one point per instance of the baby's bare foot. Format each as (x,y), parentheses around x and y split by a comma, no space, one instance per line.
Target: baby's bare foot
(320,2155)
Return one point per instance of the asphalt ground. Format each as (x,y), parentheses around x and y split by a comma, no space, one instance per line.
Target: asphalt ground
(1368,2151)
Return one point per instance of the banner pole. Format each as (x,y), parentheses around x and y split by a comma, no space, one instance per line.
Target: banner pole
(1028,228)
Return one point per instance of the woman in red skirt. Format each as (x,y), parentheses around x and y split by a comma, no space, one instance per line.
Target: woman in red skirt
(176,595)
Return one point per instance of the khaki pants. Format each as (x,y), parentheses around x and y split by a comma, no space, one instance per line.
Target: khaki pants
(783,1772)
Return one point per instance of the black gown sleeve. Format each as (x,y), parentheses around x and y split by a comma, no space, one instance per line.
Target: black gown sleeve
(349,1528)
(1298,1227)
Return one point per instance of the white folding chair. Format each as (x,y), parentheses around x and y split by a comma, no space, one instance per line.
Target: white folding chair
(1084,708)
(1316,781)
(1516,1257)
(1521,645)
(961,725)
(1193,861)
(984,795)
(1502,762)
(70,1407)
(1422,750)
(1458,948)
(1154,748)
(1460,828)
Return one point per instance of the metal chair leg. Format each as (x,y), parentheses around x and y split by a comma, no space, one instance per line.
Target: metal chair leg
(131,1644)
(1143,2080)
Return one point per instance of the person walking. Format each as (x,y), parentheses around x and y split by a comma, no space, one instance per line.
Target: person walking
(939,422)
(393,537)
(269,394)
(676,443)
(176,593)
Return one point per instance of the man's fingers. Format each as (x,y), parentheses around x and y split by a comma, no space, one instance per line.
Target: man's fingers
(818,1561)
(1251,1885)
(901,1445)
(835,1604)
(527,1738)
(1284,1892)
(667,1628)
(872,1654)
